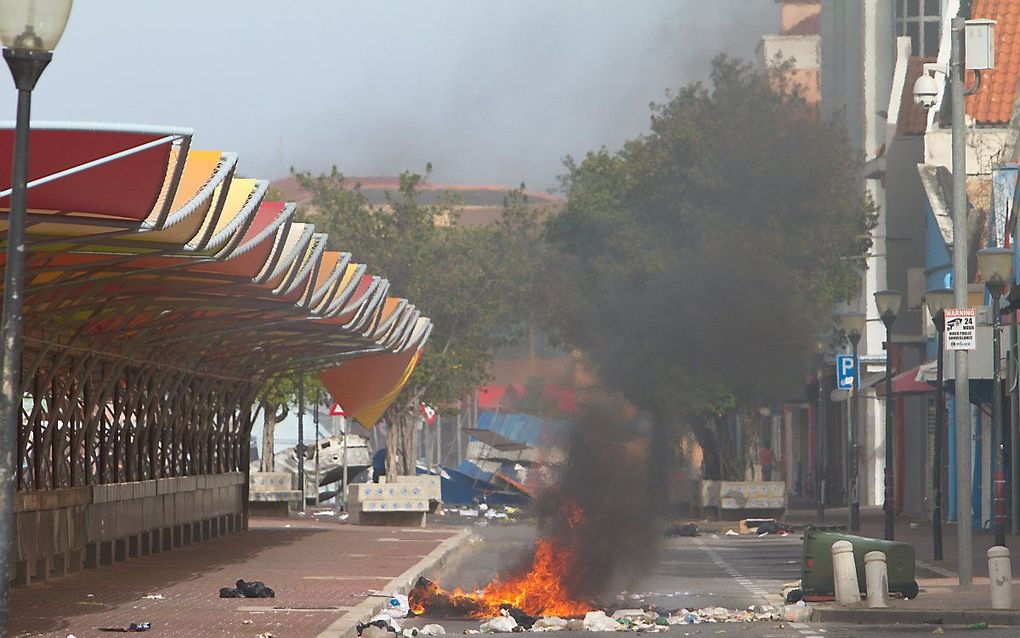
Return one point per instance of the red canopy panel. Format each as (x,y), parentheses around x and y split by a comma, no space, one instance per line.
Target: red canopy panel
(125,188)
(366,386)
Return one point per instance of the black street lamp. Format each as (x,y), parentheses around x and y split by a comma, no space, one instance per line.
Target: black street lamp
(996,265)
(853,324)
(888,302)
(29,31)
(937,301)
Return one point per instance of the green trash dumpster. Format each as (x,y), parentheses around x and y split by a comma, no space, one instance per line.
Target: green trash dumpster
(816,566)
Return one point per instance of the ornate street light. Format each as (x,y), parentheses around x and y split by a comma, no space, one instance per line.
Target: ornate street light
(937,301)
(996,265)
(888,302)
(853,324)
(29,31)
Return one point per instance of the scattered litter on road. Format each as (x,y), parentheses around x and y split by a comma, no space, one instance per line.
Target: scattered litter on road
(266,635)
(242,589)
(154,597)
(798,612)
(246,621)
(498,625)
(599,621)
(324,513)
(519,616)
(380,626)
(686,529)
(730,532)
(938,631)
(552,623)
(432,630)
(977,625)
(132,627)
(397,606)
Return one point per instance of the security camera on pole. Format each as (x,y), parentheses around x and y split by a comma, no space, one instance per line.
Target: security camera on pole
(980,56)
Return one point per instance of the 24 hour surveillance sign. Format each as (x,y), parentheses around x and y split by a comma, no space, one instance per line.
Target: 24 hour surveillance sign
(961,328)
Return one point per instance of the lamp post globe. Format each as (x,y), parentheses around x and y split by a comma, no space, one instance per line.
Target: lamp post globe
(938,300)
(33,25)
(852,323)
(995,266)
(888,303)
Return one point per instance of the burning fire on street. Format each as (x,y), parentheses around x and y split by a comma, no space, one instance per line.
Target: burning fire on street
(541,591)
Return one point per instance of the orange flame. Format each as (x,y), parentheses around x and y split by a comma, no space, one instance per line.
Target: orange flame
(539,592)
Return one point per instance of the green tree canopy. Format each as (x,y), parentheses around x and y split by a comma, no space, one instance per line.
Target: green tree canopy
(471,281)
(700,262)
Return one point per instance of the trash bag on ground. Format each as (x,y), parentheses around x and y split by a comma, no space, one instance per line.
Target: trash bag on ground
(255,589)
(599,621)
(397,606)
(524,620)
(376,628)
(550,623)
(686,529)
(498,625)
(242,589)
(432,630)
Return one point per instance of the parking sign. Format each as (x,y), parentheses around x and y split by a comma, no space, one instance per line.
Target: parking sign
(845,373)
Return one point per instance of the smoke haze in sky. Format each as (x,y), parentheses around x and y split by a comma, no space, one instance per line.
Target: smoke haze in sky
(490,91)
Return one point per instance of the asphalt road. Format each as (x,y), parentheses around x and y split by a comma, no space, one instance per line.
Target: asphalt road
(708,571)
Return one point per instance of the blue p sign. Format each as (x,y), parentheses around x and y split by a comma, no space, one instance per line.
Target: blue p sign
(845,372)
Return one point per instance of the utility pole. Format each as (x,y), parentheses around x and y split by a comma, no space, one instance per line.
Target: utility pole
(964,537)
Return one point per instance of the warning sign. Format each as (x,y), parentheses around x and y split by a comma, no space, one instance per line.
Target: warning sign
(961,328)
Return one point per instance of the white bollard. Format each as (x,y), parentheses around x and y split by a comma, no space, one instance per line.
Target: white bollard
(844,574)
(1000,577)
(876,575)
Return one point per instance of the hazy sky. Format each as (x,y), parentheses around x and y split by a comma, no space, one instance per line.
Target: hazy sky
(489,91)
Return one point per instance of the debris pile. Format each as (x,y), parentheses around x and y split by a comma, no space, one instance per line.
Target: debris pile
(623,620)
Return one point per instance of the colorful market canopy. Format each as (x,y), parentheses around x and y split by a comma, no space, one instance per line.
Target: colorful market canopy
(142,249)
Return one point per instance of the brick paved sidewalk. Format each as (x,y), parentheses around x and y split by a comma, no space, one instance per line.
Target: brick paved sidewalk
(318,569)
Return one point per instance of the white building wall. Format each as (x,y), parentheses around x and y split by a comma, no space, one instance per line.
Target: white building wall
(858,56)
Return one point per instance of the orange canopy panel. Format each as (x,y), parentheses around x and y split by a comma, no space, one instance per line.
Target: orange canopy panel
(366,386)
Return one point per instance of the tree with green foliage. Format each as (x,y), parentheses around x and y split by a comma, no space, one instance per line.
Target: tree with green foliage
(278,394)
(699,263)
(471,282)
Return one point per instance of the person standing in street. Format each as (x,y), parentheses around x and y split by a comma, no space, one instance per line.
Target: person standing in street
(766,459)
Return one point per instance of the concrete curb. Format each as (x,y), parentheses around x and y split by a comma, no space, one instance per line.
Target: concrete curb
(863,616)
(346,626)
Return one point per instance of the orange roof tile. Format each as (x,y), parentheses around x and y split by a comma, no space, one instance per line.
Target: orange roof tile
(993,104)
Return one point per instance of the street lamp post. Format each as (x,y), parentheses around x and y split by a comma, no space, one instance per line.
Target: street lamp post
(853,324)
(937,301)
(299,449)
(820,420)
(888,302)
(29,31)
(996,265)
